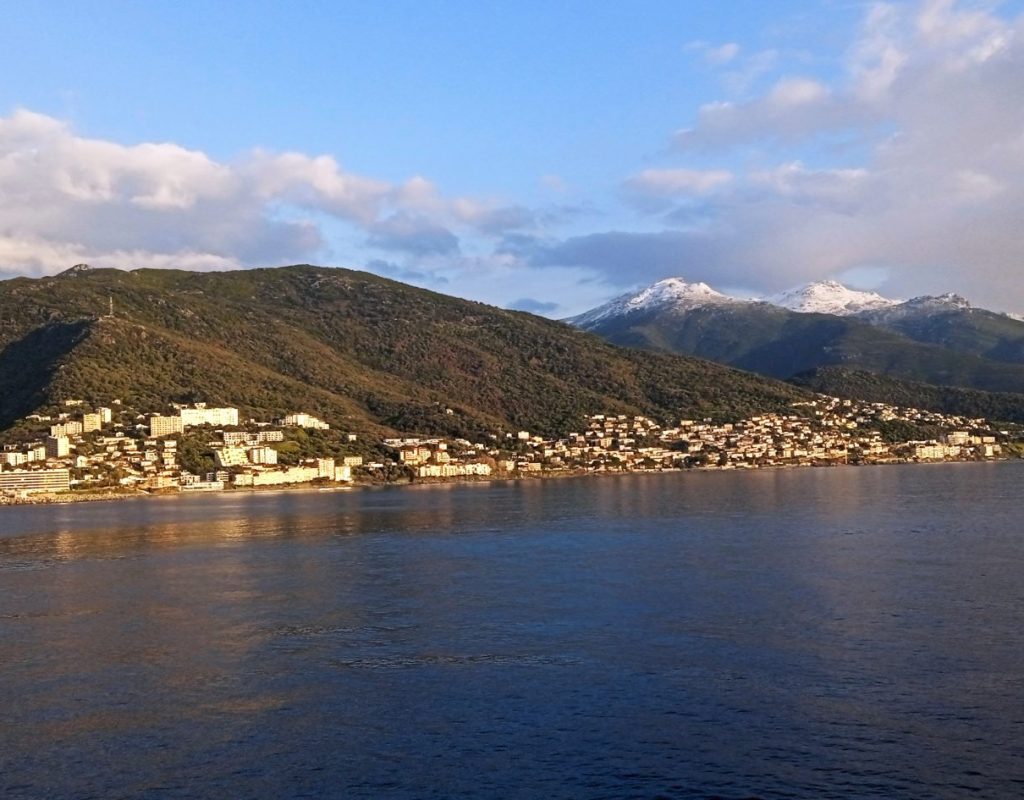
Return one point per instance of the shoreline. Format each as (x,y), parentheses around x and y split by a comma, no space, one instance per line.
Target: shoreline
(66,498)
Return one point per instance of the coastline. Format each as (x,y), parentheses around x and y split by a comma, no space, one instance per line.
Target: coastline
(89,496)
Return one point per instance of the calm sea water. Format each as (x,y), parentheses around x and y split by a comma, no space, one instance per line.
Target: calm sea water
(815,633)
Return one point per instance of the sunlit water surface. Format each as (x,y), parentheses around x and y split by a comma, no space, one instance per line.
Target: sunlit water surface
(800,633)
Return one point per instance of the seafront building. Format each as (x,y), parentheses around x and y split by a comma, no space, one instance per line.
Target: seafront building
(24,481)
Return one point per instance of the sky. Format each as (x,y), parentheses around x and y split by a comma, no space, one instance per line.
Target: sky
(532,155)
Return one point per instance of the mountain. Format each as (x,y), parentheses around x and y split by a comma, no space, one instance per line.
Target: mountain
(671,293)
(952,322)
(365,353)
(830,297)
(927,340)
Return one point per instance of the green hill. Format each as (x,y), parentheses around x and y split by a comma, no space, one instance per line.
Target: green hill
(874,388)
(363,352)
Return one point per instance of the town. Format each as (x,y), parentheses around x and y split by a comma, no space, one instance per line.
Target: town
(106,448)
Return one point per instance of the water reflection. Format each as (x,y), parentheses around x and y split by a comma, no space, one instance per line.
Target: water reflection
(804,632)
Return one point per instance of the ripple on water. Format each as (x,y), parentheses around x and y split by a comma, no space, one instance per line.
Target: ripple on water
(437,659)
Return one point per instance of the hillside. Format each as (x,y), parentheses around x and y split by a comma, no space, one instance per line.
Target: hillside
(856,384)
(365,353)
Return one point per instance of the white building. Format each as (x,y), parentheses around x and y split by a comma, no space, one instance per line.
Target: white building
(301,420)
(231,457)
(262,455)
(40,480)
(201,415)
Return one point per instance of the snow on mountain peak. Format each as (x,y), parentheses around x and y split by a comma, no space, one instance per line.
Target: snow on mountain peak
(948,300)
(820,297)
(674,293)
(829,297)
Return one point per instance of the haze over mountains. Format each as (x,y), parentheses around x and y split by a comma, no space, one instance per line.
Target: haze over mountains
(817,333)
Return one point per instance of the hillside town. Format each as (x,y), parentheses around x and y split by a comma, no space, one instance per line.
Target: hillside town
(93,448)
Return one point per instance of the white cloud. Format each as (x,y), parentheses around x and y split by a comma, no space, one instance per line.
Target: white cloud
(792,92)
(413,234)
(65,198)
(932,100)
(877,56)
(669,182)
(716,55)
(554,183)
(821,186)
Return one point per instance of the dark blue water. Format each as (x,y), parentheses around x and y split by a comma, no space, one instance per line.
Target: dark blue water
(828,633)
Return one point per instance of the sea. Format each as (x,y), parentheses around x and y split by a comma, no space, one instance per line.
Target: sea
(850,632)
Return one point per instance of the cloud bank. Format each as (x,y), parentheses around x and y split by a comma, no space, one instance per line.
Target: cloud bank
(905,163)
(66,199)
(911,161)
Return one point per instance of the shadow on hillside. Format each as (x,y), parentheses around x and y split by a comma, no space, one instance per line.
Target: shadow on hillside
(28,365)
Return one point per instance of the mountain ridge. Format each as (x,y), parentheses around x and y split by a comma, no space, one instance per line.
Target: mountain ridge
(935,340)
(366,353)
(816,297)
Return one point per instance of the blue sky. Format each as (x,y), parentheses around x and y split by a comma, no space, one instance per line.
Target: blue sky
(533,154)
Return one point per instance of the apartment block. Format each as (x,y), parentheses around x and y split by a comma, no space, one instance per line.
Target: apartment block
(200,415)
(164,426)
(305,421)
(57,446)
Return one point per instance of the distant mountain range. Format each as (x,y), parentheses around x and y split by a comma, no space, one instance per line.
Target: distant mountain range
(365,353)
(815,334)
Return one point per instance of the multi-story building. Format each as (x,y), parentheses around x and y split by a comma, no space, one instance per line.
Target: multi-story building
(40,480)
(91,422)
(66,429)
(279,477)
(231,456)
(57,446)
(201,415)
(262,455)
(164,426)
(305,421)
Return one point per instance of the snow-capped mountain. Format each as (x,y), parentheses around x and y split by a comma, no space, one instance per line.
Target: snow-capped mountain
(829,297)
(924,306)
(820,297)
(670,293)
(933,339)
